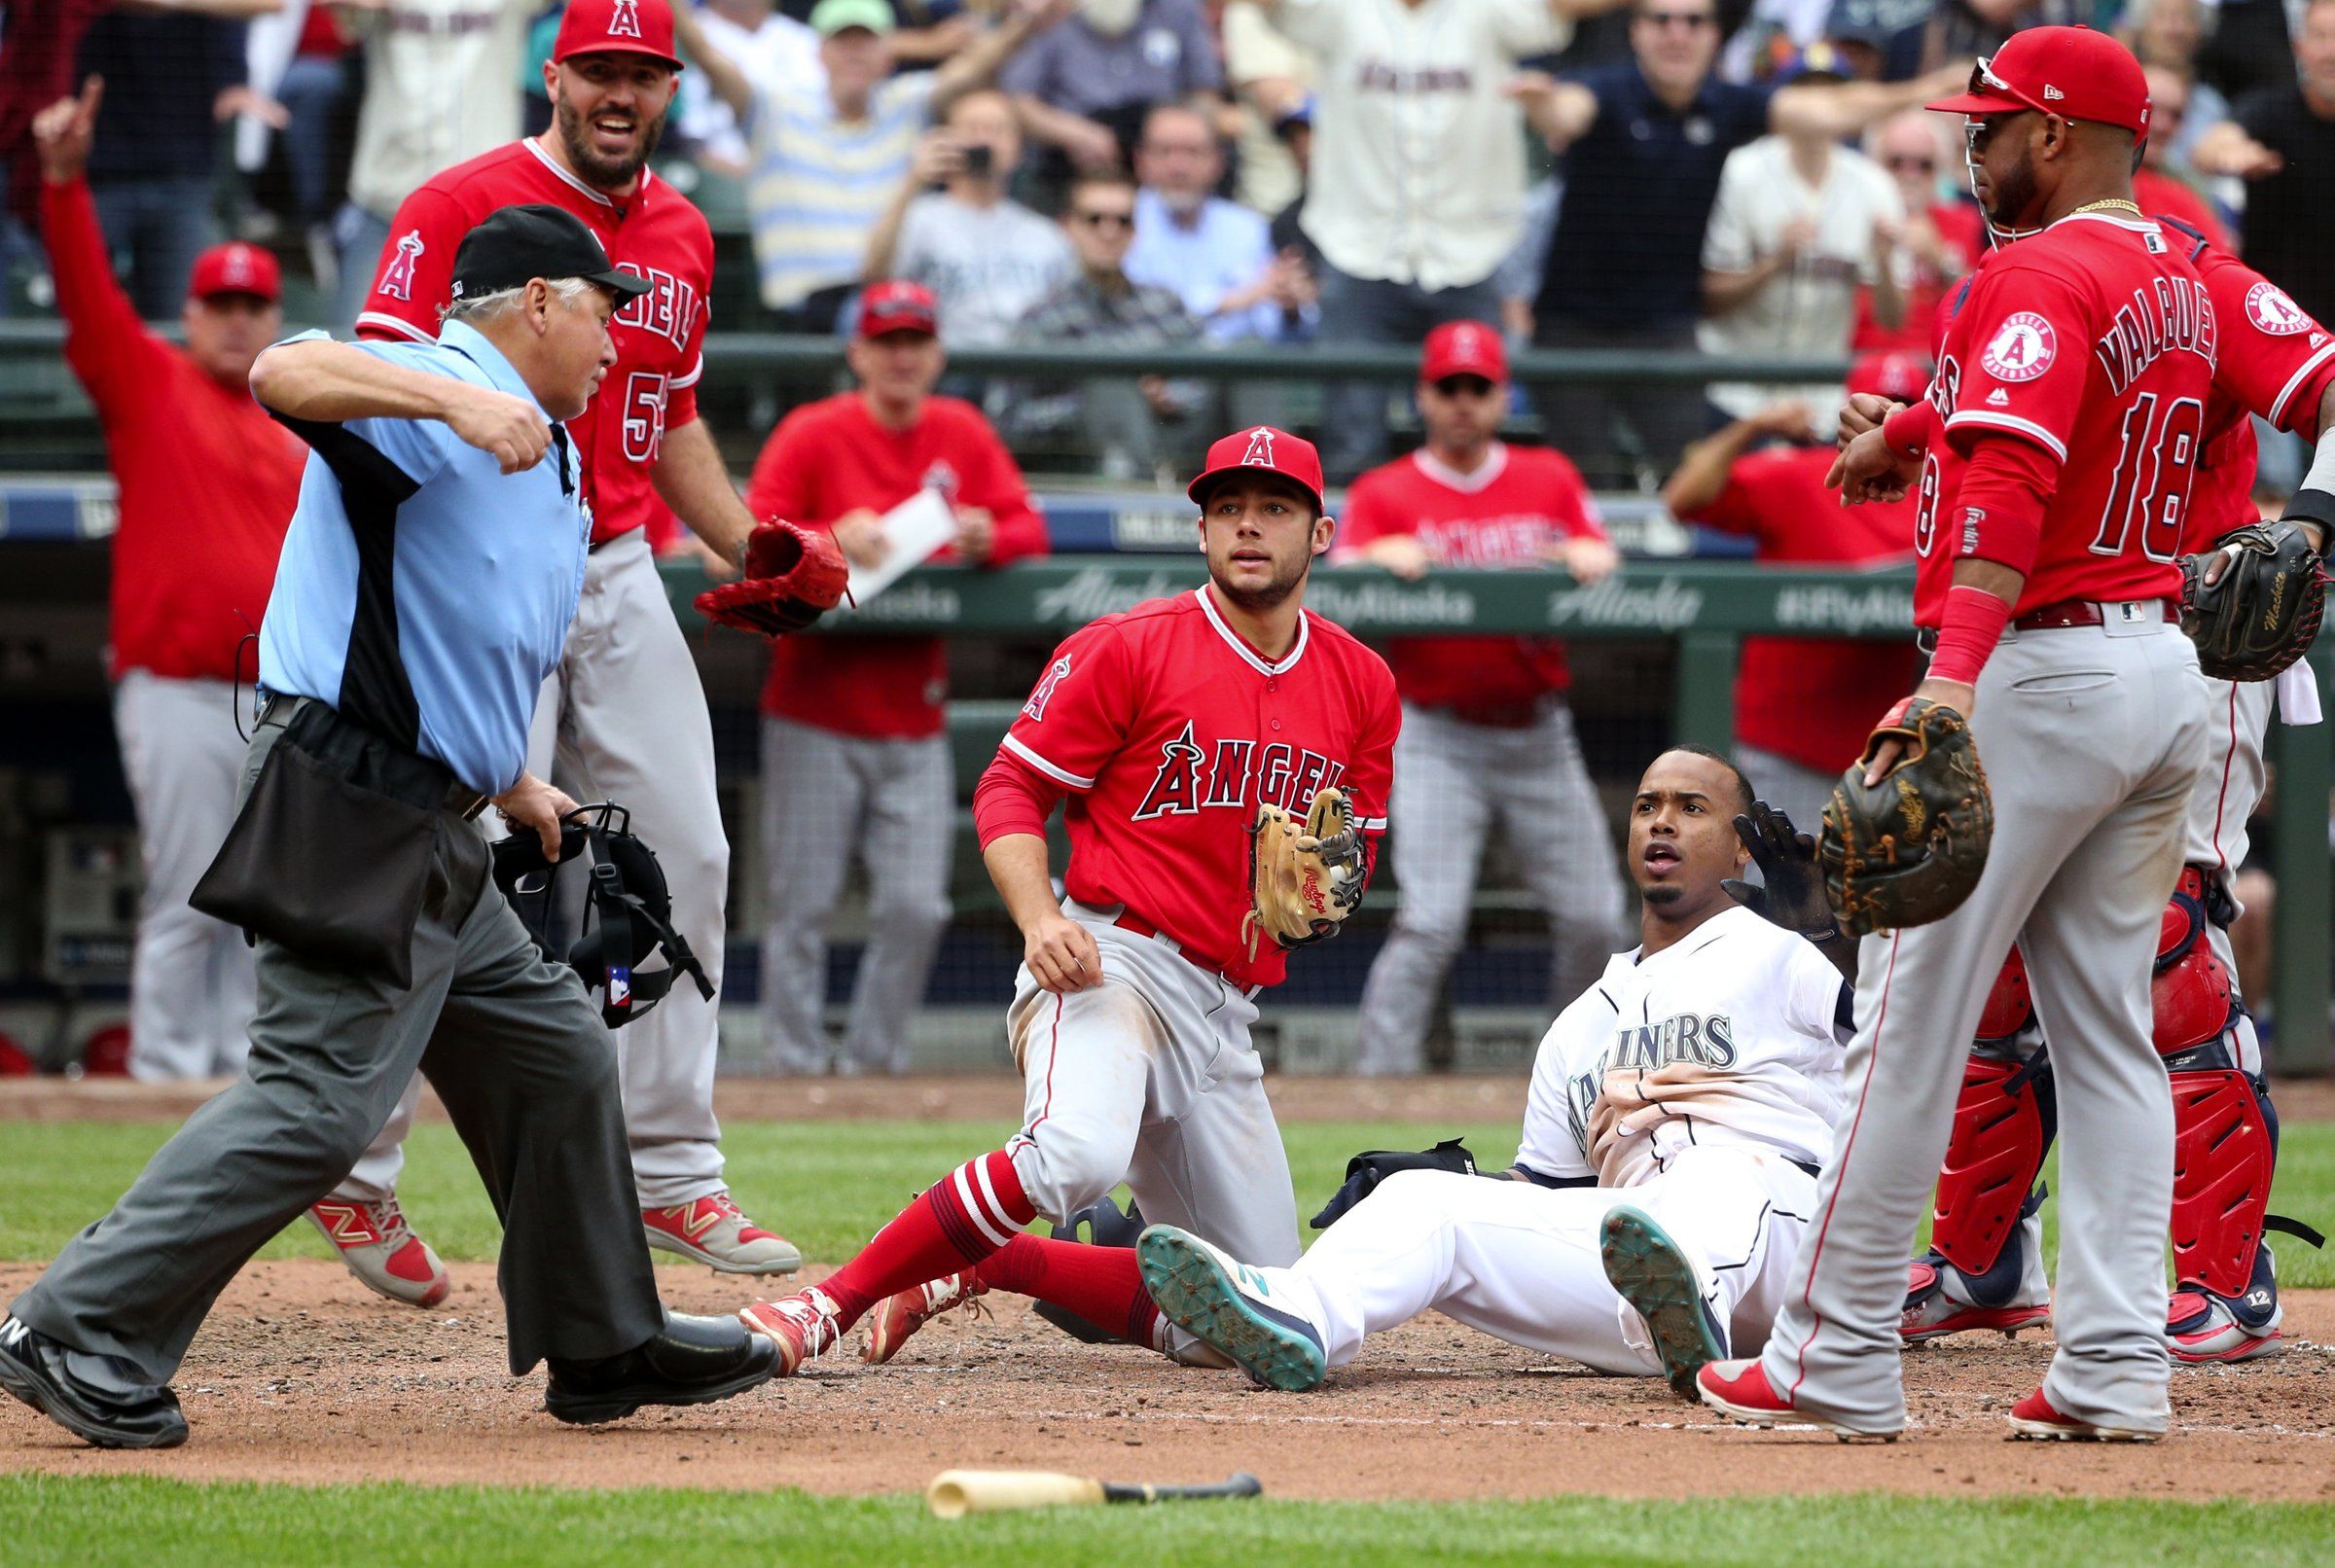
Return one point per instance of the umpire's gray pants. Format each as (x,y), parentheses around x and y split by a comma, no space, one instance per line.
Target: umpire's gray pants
(514,1050)
(826,798)
(1452,782)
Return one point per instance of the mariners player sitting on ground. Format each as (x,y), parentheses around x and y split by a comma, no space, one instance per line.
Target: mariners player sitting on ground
(1679,1109)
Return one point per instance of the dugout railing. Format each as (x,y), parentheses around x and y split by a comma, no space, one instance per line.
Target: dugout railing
(1706,608)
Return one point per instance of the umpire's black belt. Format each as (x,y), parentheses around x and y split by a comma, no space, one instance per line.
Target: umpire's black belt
(460,798)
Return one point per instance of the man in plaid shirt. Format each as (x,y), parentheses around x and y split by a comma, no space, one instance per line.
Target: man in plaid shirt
(1140,426)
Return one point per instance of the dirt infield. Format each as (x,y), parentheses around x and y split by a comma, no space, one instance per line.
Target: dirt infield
(301,1376)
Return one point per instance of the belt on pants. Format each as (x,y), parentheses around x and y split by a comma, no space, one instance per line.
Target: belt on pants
(1522,714)
(460,798)
(1129,921)
(2066,613)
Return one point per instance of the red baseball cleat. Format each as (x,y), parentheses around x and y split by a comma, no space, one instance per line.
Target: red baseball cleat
(802,1326)
(899,1316)
(1738,1390)
(381,1250)
(2034,1417)
(715,1231)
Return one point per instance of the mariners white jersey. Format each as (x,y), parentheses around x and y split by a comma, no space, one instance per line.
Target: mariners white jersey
(1734,1035)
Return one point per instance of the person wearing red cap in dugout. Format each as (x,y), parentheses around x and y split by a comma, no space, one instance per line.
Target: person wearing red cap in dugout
(207,484)
(854,757)
(1802,704)
(1487,737)
(623,717)
(1163,729)
(2066,412)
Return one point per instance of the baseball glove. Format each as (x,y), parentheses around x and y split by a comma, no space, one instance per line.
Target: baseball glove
(1303,877)
(1909,849)
(793,577)
(2261,616)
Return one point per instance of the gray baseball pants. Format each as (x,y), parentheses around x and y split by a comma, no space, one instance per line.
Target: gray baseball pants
(516,1051)
(827,799)
(1453,783)
(2092,738)
(191,978)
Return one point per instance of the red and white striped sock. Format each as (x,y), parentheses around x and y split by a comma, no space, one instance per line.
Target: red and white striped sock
(955,1223)
(1102,1284)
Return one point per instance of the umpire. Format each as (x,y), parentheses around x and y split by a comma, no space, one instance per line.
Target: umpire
(425,589)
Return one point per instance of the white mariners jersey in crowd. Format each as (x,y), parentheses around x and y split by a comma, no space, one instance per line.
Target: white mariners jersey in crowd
(1734,1035)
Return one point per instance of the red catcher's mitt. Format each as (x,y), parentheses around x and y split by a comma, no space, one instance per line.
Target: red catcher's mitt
(793,577)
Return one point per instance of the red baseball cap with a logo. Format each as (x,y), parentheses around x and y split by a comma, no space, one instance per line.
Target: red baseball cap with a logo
(1464,348)
(1293,457)
(617,27)
(898,306)
(235,268)
(2073,72)
(1901,377)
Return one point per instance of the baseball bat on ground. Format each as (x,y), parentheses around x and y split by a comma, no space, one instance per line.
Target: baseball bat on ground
(956,1494)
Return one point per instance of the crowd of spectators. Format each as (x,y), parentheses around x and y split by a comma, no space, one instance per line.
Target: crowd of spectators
(1624,175)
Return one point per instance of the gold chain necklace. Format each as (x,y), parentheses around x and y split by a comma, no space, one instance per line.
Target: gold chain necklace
(2109,204)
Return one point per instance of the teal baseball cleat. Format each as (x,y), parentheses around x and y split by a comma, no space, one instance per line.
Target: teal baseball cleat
(1232,1307)
(1645,1265)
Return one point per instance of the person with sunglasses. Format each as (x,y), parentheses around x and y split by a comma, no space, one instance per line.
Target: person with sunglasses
(2053,464)
(1941,240)
(1132,424)
(1488,736)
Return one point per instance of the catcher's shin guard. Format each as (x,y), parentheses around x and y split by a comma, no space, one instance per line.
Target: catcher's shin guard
(2004,1123)
(2225,1132)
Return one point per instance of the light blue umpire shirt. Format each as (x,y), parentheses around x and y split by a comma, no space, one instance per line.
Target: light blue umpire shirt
(422,592)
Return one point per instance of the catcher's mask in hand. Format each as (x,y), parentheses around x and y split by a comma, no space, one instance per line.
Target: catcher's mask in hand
(627,915)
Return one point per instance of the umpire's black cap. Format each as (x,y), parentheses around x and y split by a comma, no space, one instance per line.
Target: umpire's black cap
(518,244)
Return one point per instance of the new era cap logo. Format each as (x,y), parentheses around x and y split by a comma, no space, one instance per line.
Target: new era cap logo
(625,21)
(2050,93)
(1260,450)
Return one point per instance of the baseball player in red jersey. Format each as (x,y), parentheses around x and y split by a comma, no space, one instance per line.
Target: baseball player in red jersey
(1985,1266)
(1802,704)
(1163,732)
(623,717)
(1487,735)
(854,758)
(2070,402)
(206,485)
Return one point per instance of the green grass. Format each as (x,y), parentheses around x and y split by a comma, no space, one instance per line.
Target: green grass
(157,1522)
(829,1185)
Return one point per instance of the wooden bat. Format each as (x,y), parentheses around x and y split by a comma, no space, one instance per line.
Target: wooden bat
(956,1494)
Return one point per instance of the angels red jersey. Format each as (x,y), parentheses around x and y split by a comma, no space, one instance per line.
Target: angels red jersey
(2276,362)
(2095,341)
(1521,501)
(1168,731)
(655,232)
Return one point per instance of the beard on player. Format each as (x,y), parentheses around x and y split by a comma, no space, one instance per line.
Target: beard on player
(1260,535)
(1682,840)
(603,170)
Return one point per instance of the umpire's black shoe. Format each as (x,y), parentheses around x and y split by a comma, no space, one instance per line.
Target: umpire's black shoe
(693,1361)
(98,1399)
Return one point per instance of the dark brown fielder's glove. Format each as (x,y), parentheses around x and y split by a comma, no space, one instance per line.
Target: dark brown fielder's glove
(1909,849)
(2263,613)
(793,577)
